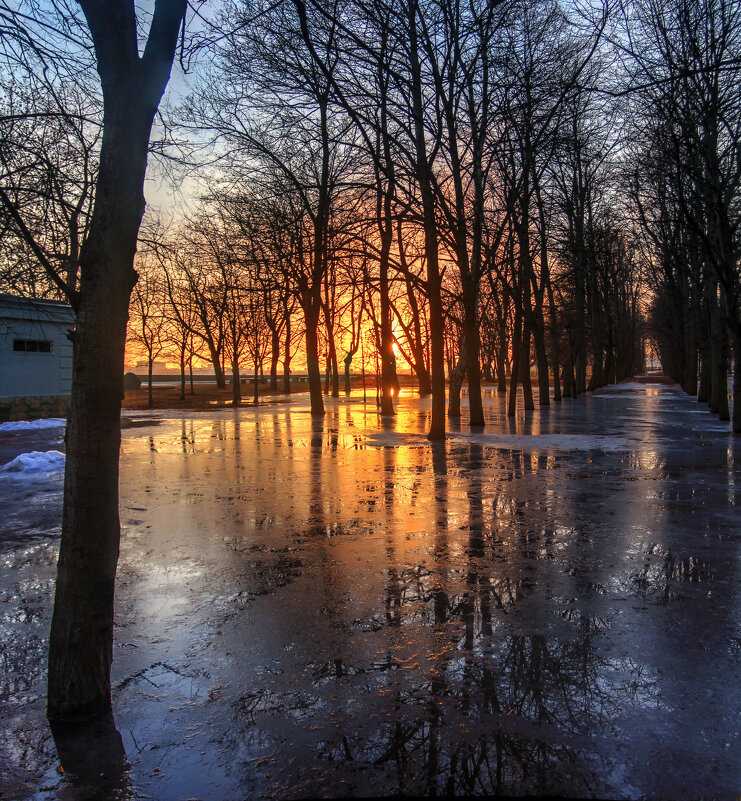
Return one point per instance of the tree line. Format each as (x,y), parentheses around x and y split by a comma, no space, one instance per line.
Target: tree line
(441,171)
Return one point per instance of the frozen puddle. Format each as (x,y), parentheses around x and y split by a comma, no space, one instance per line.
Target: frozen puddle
(537,442)
(337,607)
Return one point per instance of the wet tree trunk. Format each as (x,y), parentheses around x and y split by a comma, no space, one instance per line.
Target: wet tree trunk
(717,369)
(424,177)
(703,390)
(567,375)
(81,637)
(388,369)
(721,380)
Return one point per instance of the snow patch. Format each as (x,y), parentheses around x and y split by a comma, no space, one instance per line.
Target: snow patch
(35,462)
(33,425)
(564,442)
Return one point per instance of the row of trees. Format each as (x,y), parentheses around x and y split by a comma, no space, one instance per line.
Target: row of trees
(440,172)
(686,60)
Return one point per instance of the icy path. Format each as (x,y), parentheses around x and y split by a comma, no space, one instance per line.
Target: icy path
(340,608)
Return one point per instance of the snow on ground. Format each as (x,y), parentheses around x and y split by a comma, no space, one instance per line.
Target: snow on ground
(32,425)
(35,462)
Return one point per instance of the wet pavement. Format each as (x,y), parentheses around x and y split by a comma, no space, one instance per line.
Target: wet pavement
(339,608)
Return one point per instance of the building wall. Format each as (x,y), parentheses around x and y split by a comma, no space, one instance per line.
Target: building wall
(34,371)
(29,407)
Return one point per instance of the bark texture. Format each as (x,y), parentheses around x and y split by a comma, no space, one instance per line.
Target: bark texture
(81,637)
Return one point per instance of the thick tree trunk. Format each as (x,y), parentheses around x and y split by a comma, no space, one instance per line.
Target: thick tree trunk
(721,379)
(501,356)
(335,368)
(81,636)
(703,389)
(216,362)
(388,368)
(567,376)
(80,643)
(81,639)
(348,362)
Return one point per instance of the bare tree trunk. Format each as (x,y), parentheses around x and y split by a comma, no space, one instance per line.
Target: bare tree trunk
(287,359)
(527,384)
(182,369)
(516,355)
(424,177)
(541,355)
(236,384)
(274,358)
(150,399)
(736,336)
(457,374)
(81,636)
(311,314)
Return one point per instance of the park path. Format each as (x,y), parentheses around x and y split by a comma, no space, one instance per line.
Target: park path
(340,608)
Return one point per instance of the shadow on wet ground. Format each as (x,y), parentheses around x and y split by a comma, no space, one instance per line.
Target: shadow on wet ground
(339,608)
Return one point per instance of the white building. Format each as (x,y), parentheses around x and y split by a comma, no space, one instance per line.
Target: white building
(35,357)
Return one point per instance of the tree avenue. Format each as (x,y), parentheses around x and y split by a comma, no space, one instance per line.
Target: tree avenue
(534,195)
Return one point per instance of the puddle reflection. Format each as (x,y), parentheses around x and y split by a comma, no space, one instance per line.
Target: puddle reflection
(338,606)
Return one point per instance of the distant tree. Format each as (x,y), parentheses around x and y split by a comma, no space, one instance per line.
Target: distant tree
(148,321)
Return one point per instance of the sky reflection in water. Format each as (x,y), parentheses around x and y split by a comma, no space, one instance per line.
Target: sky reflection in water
(338,607)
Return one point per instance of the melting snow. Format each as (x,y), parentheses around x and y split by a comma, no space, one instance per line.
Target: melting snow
(35,462)
(31,425)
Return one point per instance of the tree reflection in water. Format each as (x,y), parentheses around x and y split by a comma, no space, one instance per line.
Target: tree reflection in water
(450,700)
